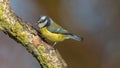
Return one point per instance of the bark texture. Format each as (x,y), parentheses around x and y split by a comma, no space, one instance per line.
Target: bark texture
(23,33)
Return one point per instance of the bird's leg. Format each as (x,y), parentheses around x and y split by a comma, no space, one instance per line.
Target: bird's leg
(54,44)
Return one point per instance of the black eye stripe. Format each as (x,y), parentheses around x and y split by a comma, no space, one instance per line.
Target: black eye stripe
(48,21)
(43,20)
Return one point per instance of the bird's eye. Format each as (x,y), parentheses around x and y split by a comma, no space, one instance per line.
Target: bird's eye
(42,19)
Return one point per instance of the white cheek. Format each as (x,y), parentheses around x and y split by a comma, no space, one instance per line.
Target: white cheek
(40,25)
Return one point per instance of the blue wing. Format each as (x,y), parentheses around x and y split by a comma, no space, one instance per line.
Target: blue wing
(56,28)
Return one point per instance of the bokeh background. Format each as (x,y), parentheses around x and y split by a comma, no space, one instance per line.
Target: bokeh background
(96,20)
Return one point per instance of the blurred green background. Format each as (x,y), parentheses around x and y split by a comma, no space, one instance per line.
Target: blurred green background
(95,20)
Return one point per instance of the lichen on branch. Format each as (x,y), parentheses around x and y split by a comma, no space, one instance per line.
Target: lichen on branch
(23,33)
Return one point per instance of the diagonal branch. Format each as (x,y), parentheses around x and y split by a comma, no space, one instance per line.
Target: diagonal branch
(22,32)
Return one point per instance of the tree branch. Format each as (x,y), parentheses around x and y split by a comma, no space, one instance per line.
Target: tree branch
(22,32)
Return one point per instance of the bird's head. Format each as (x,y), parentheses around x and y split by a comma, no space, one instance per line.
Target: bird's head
(43,21)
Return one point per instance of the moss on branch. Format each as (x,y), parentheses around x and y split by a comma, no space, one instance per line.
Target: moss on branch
(28,36)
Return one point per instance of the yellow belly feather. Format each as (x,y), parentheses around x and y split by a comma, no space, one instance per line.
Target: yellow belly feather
(52,36)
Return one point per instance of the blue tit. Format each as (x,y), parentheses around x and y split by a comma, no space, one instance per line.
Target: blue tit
(53,32)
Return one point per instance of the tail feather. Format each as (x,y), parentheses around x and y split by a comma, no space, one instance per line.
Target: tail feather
(75,37)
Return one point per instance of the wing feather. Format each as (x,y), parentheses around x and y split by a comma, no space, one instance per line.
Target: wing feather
(56,28)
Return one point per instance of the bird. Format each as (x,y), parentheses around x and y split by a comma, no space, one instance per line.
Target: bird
(54,32)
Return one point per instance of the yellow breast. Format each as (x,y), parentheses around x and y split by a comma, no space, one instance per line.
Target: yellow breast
(54,37)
